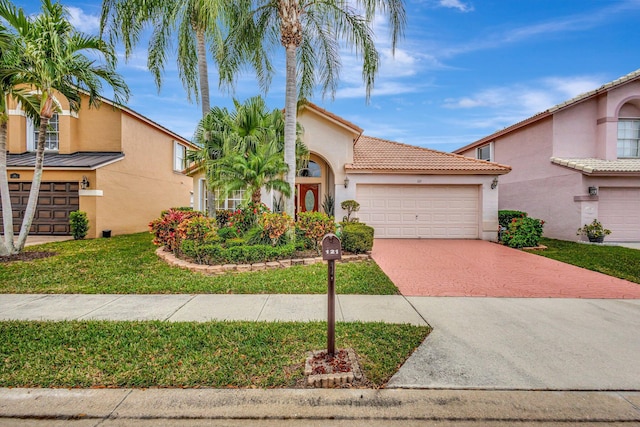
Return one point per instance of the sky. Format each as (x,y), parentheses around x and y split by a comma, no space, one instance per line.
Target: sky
(464,69)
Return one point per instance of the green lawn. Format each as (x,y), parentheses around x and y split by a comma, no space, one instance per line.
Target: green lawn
(214,354)
(612,260)
(129,265)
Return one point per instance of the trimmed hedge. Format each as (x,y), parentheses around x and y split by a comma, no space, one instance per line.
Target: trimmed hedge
(216,254)
(357,238)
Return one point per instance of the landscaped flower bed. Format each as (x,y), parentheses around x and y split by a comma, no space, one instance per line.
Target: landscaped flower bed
(252,238)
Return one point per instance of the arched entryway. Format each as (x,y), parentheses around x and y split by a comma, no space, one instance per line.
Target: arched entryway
(314,186)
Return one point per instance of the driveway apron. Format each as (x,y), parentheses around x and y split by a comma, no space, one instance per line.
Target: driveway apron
(477,268)
(543,324)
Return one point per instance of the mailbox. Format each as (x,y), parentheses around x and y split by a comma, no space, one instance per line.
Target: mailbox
(331,249)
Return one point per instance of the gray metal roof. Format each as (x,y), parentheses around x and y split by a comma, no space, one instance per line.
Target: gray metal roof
(79,160)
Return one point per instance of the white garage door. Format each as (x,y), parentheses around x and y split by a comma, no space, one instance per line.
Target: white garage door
(420,211)
(619,211)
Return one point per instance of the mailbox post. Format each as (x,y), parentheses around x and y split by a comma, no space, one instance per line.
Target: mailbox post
(331,251)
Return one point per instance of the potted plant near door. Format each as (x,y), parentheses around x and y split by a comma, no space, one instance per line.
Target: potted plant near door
(595,232)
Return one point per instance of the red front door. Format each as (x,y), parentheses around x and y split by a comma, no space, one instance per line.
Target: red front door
(307,198)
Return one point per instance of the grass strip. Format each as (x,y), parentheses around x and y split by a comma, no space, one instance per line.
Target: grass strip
(616,261)
(128,265)
(213,354)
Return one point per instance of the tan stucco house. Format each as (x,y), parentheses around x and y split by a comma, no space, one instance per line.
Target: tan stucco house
(116,165)
(404,191)
(575,162)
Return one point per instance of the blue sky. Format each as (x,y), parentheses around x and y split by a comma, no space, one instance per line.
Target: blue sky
(464,69)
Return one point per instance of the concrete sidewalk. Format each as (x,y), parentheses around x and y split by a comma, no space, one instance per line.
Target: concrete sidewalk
(304,407)
(206,307)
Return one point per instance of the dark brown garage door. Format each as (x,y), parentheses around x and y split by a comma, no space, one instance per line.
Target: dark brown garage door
(56,200)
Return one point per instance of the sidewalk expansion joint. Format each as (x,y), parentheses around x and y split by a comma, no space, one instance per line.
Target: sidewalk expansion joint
(166,319)
(266,300)
(417,311)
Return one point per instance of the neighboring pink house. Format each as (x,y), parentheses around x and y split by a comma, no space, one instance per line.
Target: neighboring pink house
(574,162)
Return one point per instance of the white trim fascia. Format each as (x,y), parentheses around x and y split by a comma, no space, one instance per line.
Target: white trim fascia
(90,193)
(18,112)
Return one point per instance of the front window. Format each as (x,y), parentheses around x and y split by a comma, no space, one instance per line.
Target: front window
(230,203)
(484,152)
(312,170)
(51,138)
(179,157)
(629,138)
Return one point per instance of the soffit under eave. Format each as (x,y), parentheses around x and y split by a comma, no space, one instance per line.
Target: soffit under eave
(423,172)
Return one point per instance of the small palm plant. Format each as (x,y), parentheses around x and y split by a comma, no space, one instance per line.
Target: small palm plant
(595,232)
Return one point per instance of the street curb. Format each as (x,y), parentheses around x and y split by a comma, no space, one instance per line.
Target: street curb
(320,404)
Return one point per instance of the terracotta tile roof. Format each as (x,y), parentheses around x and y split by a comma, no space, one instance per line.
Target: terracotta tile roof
(379,155)
(634,75)
(591,166)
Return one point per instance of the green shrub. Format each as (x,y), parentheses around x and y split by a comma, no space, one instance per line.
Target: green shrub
(79,224)
(216,254)
(315,225)
(357,238)
(179,209)
(351,206)
(238,241)
(523,232)
(226,233)
(505,217)
(201,253)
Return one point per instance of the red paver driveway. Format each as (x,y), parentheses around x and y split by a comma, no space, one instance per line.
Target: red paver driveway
(480,268)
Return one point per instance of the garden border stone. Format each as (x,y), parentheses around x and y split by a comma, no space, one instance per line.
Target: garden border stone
(210,270)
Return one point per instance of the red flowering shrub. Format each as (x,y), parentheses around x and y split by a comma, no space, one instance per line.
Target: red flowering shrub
(245,217)
(165,228)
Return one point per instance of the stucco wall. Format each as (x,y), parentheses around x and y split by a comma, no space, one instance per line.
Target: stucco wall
(137,188)
(332,141)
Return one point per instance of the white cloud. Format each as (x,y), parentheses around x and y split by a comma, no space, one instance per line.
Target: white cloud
(528,98)
(456,4)
(83,22)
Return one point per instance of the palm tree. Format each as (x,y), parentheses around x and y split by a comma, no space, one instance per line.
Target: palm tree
(232,143)
(311,32)
(9,66)
(196,23)
(53,59)
(253,170)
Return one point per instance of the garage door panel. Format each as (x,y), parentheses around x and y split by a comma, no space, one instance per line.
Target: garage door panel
(56,201)
(619,211)
(420,211)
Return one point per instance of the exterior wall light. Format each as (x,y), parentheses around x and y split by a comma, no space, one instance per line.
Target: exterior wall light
(346,181)
(593,191)
(494,183)
(84,184)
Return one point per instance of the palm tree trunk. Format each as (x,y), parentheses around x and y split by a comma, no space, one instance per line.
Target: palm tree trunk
(203,73)
(290,118)
(203,77)
(6,248)
(30,211)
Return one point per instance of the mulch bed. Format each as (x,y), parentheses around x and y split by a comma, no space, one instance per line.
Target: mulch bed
(26,256)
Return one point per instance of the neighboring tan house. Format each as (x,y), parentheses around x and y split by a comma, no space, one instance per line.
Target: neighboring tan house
(574,162)
(404,191)
(119,167)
